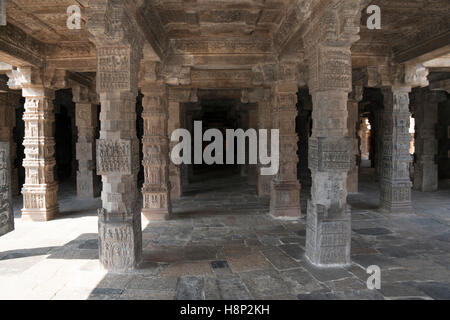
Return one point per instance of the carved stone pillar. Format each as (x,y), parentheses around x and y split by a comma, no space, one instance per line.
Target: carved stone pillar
(352,123)
(40,189)
(156,188)
(6,209)
(119,51)
(174,170)
(304,130)
(8,102)
(86,122)
(426,144)
(395,192)
(285,188)
(378,130)
(328,234)
(364,133)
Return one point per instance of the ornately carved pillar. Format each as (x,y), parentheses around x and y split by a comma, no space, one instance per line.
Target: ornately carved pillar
(378,136)
(352,123)
(8,102)
(426,144)
(395,184)
(119,51)
(285,188)
(156,162)
(6,209)
(86,122)
(328,234)
(40,189)
(174,170)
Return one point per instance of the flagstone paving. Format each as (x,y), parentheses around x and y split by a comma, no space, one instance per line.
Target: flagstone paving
(222,244)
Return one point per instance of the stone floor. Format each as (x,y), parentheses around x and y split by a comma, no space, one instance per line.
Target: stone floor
(222,244)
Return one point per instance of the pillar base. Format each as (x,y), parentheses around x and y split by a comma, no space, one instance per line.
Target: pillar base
(120,243)
(40,215)
(285,200)
(387,207)
(328,236)
(263,186)
(40,203)
(396,199)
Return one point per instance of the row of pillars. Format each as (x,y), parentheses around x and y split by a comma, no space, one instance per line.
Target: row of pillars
(276,108)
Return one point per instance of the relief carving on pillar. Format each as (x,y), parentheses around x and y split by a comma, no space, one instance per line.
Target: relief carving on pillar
(327,154)
(6,209)
(116,157)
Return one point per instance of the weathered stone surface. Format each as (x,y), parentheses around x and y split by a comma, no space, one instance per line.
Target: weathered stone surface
(330,147)
(191,288)
(40,188)
(119,51)
(156,190)
(395,193)
(285,188)
(426,145)
(6,209)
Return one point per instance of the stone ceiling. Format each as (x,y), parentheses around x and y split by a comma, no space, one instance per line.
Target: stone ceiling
(228,34)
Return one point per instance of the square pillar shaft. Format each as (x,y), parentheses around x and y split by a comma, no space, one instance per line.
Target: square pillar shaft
(395,187)
(426,144)
(40,188)
(86,122)
(285,188)
(157,188)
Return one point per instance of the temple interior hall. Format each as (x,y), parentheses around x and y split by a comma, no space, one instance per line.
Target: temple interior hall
(94,205)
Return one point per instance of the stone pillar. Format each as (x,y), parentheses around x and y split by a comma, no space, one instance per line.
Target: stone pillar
(40,189)
(263,183)
(364,137)
(395,184)
(176,99)
(285,188)
(328,234)
(426,116)
(156,188)
(8,101)
(6,209)
(352,123)
(119,51)
(174,170)
(86,122)
(378,130)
